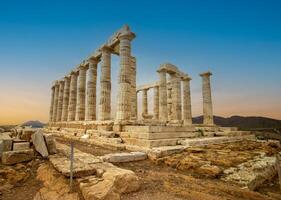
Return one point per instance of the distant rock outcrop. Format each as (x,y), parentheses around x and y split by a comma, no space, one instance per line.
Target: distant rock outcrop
(33,124)
(243,122)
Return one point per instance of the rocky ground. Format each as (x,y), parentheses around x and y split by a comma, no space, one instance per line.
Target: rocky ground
(195,174)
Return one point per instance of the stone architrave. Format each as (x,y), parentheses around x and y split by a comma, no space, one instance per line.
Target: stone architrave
(60,100)
(123,111)
(65,98)
(163,114)
(81,94)
(207,99)
(56,97)
(72,96)
(52,104)
(105,85)
(187,114)
(156,102)
(92,90)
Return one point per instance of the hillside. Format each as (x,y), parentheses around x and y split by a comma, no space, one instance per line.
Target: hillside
(243,122)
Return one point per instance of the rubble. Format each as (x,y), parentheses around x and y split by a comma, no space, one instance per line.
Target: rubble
(13,157)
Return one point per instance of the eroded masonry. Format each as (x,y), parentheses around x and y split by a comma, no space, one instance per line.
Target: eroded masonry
(74,103)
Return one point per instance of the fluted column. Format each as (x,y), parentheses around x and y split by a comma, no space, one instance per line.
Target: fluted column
(72,96)
(81,97)
(176,97)
(65,98)
(133,89)
(105,85)
(163,114)
(52,104)
(207,99)
(60,100)
(92,90)
(123,101)
(156,102)
(56,98)
(144,102)
(187,114)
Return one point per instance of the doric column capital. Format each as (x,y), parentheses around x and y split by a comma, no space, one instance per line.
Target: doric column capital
(162,70)
(186,78)
(106,49)
(93,61)
(208,73)
(82,67)
(73,73)
(126,33)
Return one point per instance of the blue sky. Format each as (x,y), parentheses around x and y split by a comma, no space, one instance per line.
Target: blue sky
(239,41)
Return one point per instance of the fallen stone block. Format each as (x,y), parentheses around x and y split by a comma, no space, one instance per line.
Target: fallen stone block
(5,136)
(80,169)
(5,145)
(114,182)
(51,143)
(13,157)
(124,157)
(159,152)
(26,134)
(21,146)
(39,143)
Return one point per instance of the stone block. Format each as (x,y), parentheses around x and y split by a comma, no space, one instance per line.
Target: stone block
(124,157)
(51,143)
(21,146)
(26,134)
(159,152)
(5,145)
(13,157)
(39,143)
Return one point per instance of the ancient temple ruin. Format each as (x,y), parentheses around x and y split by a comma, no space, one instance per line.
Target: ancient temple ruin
(74,103)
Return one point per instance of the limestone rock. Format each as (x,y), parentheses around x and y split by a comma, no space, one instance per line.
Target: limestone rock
(124,157)
(111,185)
(80,169)
(21,146)
(13,157)
(56,186)
(39,143)
(209,170)
(51,143)
(5,145)
(26,134)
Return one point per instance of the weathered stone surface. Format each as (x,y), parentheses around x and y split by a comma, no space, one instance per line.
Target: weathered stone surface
(80,169)
(13,157)
(26,134)
(111,185)
(5,145)
(252,173)
(21,146)
(56,186)
(39,143)
(5,135)
(124,157)
(51,143)
(164,151)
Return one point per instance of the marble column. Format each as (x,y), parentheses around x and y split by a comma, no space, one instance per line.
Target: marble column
(92,90)
(52,104)
(176,97)
(133,89)
(65,98)
(56,98)
(187,114)
(72,96)
(105,85)
(144,102)
(156,102)
(60,100)
(123,111)
(81,96)
(163,114)
(207,99)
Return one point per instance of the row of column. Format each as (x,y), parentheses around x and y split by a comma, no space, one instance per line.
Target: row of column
(179,110)
(161,92)
(69,101)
